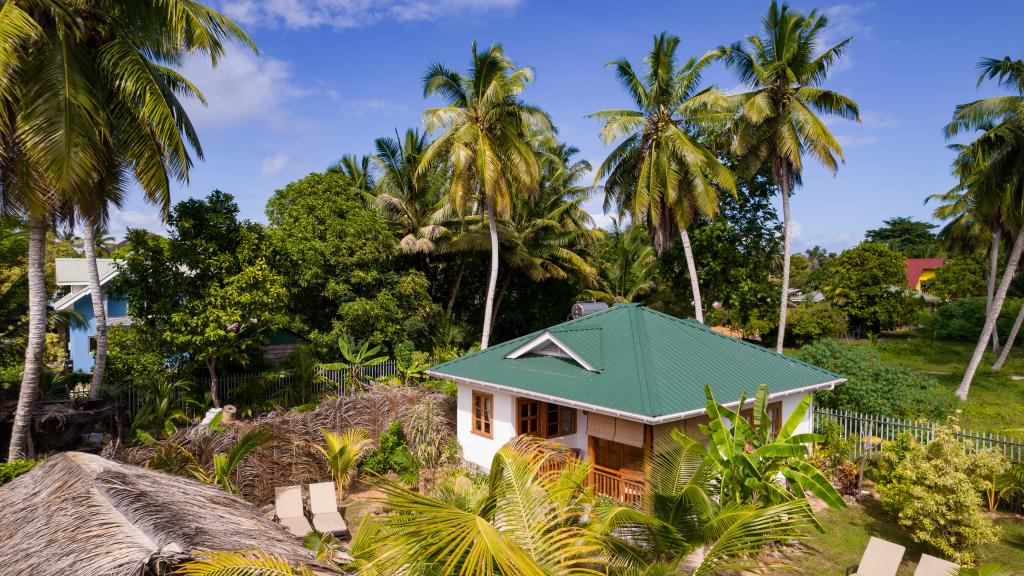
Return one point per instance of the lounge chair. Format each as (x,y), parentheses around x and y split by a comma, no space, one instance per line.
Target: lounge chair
(932,566)
(288,508)
(323,503)
(881,558)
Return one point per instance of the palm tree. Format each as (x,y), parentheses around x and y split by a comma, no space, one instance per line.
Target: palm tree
(545,236)
(413,201)
(991,173)
(778,118)
(358,170)
(661,173)
(627,265)
(87,89)
(342,452)
(484,136)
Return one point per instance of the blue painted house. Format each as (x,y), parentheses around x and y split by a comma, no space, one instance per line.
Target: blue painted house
(72,274)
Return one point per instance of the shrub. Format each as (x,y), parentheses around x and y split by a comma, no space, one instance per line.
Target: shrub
(961,320)
(874,386)
(935,492)
(11,470)
(391,454)
(813,321)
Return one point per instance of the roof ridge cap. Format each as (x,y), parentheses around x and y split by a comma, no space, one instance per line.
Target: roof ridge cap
(640,355)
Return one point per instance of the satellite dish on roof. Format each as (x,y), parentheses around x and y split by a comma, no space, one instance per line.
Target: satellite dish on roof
(581,309)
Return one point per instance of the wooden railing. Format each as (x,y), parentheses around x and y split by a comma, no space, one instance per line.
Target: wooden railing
(624,487)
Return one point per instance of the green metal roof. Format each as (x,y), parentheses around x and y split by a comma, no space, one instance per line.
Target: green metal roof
(647,364)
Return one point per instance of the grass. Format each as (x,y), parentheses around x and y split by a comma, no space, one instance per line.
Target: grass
(847,532)
(994,401)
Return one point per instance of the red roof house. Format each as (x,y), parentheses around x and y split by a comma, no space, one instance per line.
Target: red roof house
(921,269)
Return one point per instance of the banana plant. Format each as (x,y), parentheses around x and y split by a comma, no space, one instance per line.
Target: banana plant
(356,359)
(752,460)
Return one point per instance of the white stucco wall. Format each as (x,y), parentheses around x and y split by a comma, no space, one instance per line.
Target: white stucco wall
(479,449)
(789,403)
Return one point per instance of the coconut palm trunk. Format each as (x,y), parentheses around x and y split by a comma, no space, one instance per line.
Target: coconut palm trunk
(455,287)
(1009,340)
(99,308)
(492,280)
(787,237)
(33,371)
(990,321)
(691,267)
(993,272)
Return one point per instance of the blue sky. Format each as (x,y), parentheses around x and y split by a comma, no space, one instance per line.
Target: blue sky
(332,75)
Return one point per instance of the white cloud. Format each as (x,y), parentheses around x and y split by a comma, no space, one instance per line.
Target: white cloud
(273,164)
(122,220)
(242,88)
(850,141)
(371,107)
(844,21)
(878,119)
(351,13)
(798,229)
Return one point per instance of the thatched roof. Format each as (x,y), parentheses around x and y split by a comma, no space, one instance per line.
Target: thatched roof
(82,514)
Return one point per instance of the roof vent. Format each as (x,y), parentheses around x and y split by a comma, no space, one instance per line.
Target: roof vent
(581,309)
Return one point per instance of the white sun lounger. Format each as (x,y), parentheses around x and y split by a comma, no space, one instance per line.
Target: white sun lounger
(932,566)
(323,503)
(288,508)
(881,558)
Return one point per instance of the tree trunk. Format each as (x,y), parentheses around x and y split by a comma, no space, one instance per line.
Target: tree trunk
(691,267)
(993,315)
(993,271)
(99,308)
(492,280)
(499,298)
(33,371)
(455,287)
(787,237)
(1009,340)
(211,366)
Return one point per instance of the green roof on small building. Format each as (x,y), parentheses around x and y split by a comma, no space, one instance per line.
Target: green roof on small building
(634,361)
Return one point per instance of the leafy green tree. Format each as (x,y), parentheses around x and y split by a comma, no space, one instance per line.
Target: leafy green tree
(661,173)
(338,260)
(206,290)
(911,238)
(89,94)
(935,493)
(778,120)
(735,254)
(868,283)
(484,137)
(958,277)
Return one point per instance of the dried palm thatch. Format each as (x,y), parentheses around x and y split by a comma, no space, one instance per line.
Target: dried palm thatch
(82,514)
(289,458)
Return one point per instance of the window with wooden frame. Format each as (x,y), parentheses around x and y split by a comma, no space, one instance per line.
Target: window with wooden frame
(543,419)
(774,416)
(483,414)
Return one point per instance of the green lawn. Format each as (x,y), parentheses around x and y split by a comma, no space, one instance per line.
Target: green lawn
(995,400)
(847,532)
